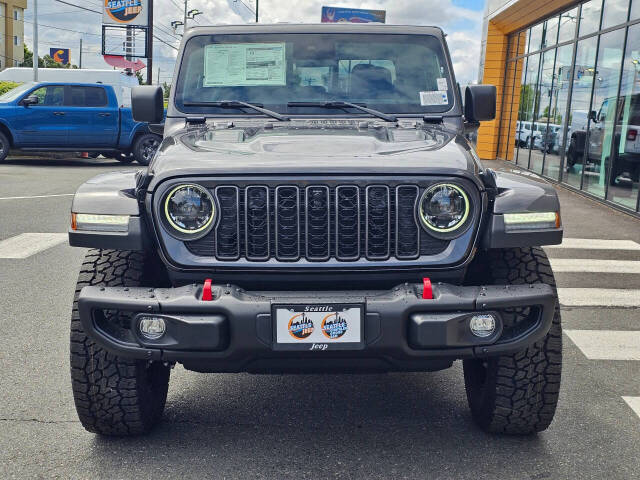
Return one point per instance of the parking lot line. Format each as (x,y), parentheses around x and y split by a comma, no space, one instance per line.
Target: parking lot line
(39,196)
(596,244)
(634,403)
(572,265)
(598,297)
(27,244)
(607,344)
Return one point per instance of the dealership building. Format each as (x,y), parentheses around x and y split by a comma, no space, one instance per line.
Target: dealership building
(568,80)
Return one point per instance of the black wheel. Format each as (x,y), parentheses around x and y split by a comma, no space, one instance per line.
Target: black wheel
(516,394)
(124,157)
(145,148)
(114,395)
(5,145)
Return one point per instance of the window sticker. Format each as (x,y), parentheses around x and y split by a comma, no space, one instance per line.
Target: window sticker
(442,85)
(434,98)
(245,64)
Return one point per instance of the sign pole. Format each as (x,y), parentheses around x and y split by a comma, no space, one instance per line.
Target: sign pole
(35,40)
(150,44)
(257,3)
(80,52)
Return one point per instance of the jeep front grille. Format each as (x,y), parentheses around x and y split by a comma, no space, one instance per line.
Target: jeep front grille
(291,222)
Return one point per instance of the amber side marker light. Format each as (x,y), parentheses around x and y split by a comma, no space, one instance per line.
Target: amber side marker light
(99,223)
(531,221)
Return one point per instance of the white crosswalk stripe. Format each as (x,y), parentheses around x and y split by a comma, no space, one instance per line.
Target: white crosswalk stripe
(634,403)
(595,244)
(598,297)
(607,344)
(582,265)
(28,244)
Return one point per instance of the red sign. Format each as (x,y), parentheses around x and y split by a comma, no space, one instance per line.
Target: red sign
(119,61)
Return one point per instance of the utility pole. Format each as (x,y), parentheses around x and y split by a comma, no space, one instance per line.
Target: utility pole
(150,44)
(257,1)
(158,75)
(35,40)
(80,52)
(186,15)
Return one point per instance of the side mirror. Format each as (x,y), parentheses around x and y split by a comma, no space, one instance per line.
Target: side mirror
(480,103)
(147,104)
(30,100)
(593,116)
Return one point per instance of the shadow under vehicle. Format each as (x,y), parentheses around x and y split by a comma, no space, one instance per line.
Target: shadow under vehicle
(315,206)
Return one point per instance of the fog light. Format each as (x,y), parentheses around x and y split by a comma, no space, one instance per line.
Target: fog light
(152,327)
(482,325)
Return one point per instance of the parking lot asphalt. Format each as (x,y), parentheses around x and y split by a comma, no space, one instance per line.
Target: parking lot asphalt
(388,426)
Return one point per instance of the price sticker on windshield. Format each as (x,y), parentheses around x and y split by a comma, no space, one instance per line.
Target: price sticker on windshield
(443,86)
(434,98)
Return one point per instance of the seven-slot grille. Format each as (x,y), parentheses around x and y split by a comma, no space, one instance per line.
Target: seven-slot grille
(291,222)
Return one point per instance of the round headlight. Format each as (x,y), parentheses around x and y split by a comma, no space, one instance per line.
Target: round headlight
(444,208)
(189,209)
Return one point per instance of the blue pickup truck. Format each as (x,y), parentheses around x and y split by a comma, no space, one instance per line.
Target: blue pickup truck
(50,116)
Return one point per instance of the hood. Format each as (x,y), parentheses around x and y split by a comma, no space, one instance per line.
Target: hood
(315,148)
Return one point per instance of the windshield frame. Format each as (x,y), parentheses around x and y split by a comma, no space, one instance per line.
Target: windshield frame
(176,110)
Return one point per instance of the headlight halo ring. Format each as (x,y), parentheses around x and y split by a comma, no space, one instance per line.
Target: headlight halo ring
(182,233)
(455,230)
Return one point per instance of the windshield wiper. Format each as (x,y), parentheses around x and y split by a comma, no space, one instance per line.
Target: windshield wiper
(239,104)
(341,104)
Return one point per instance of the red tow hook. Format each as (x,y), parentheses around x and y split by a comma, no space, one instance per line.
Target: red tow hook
(427,289)
(207,294)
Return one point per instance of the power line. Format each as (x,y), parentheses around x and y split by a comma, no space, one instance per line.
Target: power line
(78,6)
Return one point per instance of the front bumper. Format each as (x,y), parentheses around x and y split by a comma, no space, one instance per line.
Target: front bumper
(234,331)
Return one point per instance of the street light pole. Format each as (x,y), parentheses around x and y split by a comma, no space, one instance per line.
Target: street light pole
(35,40)
(257,3)
(150,44)
(186,15)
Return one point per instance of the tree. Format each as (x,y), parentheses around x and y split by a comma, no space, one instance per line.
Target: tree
(43,62)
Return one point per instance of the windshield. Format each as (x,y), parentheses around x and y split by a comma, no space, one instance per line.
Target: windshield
(14,93)
(390,73)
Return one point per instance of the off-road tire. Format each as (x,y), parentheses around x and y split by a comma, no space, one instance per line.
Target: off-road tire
(145,147)
(516,394)
(5,145)
(114,395)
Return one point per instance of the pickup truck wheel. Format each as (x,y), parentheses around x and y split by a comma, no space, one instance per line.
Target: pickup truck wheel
(114,395)
(517,394)
(5,145)
(145,148)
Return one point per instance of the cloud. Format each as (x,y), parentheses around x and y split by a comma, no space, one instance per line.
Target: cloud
(460,19)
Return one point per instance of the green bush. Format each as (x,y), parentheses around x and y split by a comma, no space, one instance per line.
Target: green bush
(6,86)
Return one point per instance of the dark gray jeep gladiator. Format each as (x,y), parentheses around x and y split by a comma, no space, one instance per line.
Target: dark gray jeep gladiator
(315,206)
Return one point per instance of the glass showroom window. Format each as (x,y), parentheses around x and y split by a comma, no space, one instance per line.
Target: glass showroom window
(615,12)
(603,107)
(582,86)
(635,10)
(555,141)
(590,17)
(528,101)
(567,25)
(625,164)
(541,133)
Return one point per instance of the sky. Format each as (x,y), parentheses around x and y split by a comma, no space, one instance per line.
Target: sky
(460,19)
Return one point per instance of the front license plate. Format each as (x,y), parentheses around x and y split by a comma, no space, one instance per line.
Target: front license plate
(318,327)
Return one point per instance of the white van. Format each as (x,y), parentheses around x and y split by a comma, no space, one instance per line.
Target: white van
(119,80)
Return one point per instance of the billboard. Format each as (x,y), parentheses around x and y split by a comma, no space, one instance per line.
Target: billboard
(353,15)
(125,12)
(60,55)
